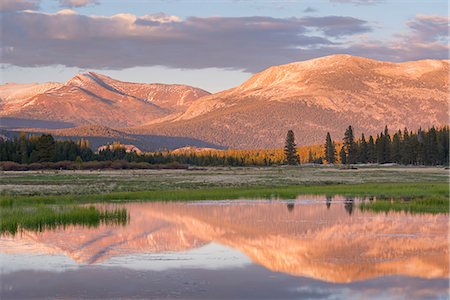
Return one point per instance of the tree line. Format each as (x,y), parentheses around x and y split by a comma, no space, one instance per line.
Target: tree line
(44,148)
(422,147)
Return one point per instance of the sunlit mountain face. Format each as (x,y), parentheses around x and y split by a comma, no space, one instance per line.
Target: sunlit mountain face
(314,97)
(329,240)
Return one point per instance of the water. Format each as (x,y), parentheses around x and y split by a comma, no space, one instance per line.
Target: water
(308,248)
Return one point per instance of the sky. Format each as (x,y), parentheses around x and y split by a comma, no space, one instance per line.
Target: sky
(211,44)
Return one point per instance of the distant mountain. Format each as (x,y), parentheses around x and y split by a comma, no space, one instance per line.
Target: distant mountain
(316,96)
(310,97)
(101,135)
(92,98)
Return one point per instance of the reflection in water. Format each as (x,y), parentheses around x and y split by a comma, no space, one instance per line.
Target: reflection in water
(311,240)
(290,206)
(328,201)
(349,205)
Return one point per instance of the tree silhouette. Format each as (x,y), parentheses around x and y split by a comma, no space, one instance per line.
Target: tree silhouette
(290,150)
(330,149)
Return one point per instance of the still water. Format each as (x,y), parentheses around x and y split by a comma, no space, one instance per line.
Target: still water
(308,248)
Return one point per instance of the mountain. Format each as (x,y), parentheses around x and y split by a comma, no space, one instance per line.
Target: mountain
(92,98)
(310,97)
(99,135)
(316,96)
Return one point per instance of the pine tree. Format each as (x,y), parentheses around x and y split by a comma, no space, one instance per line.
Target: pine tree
(362,150)
(422,155)
(290,150)
(407,155)
(330,149)
(350,146)
(23,148)
(46,148)
(432,146)
(371,152)
(396,147)
(379,148)
(386,145)
(343,156)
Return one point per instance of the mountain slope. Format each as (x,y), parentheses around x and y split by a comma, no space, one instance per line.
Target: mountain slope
(92,98)
(316,96)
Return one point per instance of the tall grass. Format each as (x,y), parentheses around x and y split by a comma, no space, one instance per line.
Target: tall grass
(425,197)
(43,217)
(418,205)
(422,190)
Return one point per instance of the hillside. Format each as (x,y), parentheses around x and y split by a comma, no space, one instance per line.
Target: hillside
(92,98)
(310,97)
(316,96)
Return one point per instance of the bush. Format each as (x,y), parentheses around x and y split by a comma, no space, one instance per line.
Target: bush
(90,165)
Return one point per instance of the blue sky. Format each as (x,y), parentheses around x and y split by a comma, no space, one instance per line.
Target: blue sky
(210,44)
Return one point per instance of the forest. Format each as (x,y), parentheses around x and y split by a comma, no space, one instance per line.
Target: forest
(421,147)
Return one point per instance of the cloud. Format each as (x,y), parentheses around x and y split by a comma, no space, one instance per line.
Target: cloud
(248,43)
(427,28)
(309,9)
(336,26)
(359,2)
(76,3)
(426,37)
(17,5)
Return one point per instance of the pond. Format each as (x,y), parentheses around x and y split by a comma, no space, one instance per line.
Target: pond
(312,247)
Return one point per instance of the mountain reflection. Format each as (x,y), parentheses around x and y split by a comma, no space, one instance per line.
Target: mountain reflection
(311,240)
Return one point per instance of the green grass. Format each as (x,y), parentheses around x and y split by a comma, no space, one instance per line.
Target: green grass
(430,191)
(101,182)
(43,217)
(439,205)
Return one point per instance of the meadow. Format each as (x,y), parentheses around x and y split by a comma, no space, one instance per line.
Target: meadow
(414,189)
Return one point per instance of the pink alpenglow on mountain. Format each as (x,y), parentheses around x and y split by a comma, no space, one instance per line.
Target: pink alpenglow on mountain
(316,96)
(92,98)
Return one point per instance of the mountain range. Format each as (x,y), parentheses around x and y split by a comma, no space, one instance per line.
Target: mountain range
(311,97)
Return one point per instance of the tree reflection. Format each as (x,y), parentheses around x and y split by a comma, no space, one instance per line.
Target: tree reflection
(328,201)
(290,206)
(349,205)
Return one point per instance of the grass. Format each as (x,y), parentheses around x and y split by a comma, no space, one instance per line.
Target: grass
(418,205)
(428,187)
(43,217)
(109,181)
(434,192)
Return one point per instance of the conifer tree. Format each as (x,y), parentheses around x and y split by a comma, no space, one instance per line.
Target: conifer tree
(330,149)
(343,156)
(422,155)
(371,152)
(290,150)
(46,148)
(379,148)
(396,147)
(350,146)
(362,150)
(432,147)
(405,149)
(23,148)
(386,145)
